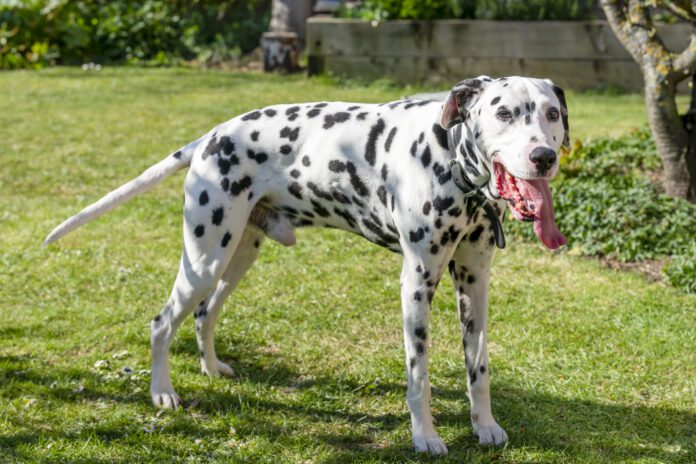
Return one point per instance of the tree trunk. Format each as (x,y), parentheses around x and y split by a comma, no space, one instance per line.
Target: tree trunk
(675,138)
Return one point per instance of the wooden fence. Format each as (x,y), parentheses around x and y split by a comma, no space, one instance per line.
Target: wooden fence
(577,54)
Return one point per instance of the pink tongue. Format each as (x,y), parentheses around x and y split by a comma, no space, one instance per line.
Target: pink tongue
(538,192)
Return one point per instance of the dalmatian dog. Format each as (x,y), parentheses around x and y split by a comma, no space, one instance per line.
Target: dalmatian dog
(385,172)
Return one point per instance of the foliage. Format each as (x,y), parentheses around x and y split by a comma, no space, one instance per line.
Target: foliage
(470,9)
(35,33)
(608,204)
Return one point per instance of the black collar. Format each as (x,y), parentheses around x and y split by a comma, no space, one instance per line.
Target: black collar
(473,193)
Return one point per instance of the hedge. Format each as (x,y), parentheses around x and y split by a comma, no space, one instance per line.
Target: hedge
(36,33)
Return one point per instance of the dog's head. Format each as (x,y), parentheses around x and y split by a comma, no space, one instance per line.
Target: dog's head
(507,134)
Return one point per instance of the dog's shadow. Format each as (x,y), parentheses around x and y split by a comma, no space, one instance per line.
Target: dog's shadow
(551,427)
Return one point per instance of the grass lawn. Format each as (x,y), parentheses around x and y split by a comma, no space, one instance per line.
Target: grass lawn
(587,364)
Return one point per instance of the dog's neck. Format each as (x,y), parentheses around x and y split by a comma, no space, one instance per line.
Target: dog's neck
(465,178)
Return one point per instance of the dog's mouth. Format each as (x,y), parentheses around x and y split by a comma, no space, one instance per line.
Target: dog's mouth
(530,200)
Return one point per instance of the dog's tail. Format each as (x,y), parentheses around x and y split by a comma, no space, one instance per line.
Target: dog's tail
(144,182)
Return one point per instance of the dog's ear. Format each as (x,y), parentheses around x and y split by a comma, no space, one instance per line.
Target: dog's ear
(560,94)
(460,99)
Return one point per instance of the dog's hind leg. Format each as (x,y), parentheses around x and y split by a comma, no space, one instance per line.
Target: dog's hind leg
(244,256)
(212,231)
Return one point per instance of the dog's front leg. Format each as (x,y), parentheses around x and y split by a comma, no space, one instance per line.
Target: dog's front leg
(418,282)
(470,270)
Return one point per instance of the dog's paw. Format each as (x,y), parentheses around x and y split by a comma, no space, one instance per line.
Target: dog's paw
(490,434)
(166,399)
(224,369)
(429,444)
(219,368)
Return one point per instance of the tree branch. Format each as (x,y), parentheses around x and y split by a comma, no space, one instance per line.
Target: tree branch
(622,23)
(685,62)
(683,9)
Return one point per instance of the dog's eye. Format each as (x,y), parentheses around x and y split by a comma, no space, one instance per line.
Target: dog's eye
(504,115)
(553,114)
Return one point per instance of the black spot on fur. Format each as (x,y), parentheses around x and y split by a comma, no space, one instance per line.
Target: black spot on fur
(361,116)
(321,105)
(340,197)
(426,157)
(390,139)
(320,210)
(257,243)
(347,216)
(292,110)
(385,172)
(177,155)
(203,199)
(238,187)
(476,233)
(356,181)
(270,112)
(495,101)
(482,369)
(417,235)
(258,157)
(417,296)
(354,107)
(313,113)
(305,161)
(291,134)
(286,149)
(157,318)
(441,136)
(382,194)
(421,333)
(414,148)
(255,136)
(332,119)
(225,184)
(472,376)
(516,111)
(316,190)
(455,212)
(337,166)
(471,279)
(295,173)
(371,147)
(224,165)
(528,119)
(413,103)
(296,190)
(434,249)
(199,230)
(251,116)
(420,348)
(426,208)
(218,214)
(442,204)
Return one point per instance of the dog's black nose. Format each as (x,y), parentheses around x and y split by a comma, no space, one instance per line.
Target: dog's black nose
(543,158)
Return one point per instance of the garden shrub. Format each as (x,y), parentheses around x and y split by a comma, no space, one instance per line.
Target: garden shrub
(35,33)
(471,9)
(608,203)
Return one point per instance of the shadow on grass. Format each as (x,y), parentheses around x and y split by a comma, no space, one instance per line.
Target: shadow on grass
(552,427)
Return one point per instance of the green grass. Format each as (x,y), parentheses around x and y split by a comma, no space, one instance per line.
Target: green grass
(587,364)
